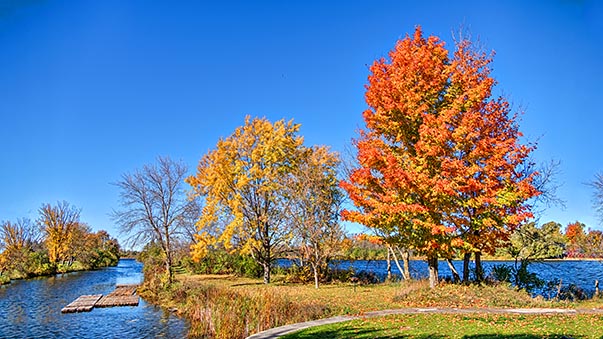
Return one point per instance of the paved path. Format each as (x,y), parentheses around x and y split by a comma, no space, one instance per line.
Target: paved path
(282,330)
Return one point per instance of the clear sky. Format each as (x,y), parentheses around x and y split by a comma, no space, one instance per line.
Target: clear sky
(92,89)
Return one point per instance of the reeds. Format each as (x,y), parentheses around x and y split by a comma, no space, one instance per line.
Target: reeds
(221,312)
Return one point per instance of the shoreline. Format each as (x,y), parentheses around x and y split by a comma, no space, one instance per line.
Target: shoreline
(4,282)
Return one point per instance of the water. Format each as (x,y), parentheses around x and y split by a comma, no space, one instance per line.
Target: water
(32,308)
(580,273)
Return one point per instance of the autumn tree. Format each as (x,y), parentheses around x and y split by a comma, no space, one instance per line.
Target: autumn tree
(531,242)
(17,240)
(60,224)
(439,162)
(96,249)
(316,201)
(575,235)
(155,206)
(243,181)
(583,242)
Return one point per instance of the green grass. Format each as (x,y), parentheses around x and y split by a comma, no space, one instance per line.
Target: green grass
(475,326)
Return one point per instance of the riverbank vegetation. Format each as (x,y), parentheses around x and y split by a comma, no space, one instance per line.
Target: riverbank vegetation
(226,306)
(57,242)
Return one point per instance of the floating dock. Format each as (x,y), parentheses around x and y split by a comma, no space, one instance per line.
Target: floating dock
(124,295)
(85,303)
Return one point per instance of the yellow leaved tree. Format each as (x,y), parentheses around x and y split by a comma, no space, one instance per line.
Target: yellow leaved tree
(244,183)
(60,225)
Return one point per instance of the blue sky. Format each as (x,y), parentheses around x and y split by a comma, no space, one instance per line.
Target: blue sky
(92,89)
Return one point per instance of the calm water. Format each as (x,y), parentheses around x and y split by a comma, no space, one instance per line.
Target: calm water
(32,308)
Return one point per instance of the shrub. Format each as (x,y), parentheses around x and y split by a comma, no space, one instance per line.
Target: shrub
(222,262)
(519,276)
(571,292)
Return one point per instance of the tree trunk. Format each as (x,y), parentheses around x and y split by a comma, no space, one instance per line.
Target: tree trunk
(466,259)
(168,255)
(266,272)
(389,264)
(479,270)
(455,274)
(315,268)
(432,262)
(406,263)
(168,265)
(398,263)
(267,253)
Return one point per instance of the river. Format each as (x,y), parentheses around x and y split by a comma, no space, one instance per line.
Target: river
(582,273)
(577,272)
(31,308)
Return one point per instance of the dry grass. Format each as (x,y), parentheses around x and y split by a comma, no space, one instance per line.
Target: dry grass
(335,298)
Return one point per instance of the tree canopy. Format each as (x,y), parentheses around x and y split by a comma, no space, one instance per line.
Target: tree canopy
(440,163)
(243,182)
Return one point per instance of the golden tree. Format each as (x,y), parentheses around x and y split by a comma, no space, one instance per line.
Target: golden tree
(60,224)
(244,182)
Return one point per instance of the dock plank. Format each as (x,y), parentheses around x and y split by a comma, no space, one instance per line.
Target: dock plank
(124,300)
(122,296)
(84,303)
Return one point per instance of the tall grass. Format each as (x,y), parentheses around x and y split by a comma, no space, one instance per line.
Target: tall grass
(220,312)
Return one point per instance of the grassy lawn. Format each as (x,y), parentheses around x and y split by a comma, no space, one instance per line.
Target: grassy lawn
(461,326)
(346,298)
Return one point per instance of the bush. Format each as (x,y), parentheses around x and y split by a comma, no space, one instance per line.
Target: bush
(519,276)
(305,275)
(571,292)
(4,279)
(502,273)
(222,262)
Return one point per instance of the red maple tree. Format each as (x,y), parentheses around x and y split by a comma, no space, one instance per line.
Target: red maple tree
(440,166)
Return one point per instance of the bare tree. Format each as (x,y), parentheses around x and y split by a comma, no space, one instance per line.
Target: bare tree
(154,206)
(597,185)
(546,183)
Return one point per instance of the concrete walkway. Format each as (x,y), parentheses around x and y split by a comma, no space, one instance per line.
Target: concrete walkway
(282,330)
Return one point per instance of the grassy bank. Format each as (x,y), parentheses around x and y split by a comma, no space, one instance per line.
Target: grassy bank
(221,306)
(474,326)
(47,270)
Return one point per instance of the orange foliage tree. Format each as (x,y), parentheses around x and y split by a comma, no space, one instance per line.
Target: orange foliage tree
(582,242)
(440,167)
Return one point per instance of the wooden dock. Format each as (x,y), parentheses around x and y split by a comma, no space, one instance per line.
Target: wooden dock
(124,295)
(85,303)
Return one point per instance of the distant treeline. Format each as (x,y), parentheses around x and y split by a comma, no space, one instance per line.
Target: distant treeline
(532,242)
(56,242)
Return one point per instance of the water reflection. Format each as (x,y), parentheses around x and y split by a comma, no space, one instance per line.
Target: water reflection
(32,308)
